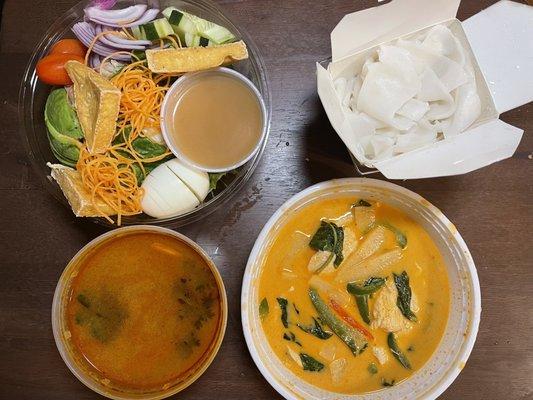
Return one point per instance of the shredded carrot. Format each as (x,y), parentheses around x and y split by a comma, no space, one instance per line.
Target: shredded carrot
(111,180)
(111,176)
(349,319)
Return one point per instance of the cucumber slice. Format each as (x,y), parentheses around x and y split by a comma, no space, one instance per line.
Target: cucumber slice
(183,23)
(192,40)
(158,29)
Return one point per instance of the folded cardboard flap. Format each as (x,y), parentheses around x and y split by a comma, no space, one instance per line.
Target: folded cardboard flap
(501,37)
(489,140)
(479,147)
(364,29)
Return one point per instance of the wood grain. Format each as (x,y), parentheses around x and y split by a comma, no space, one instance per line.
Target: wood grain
(491,207)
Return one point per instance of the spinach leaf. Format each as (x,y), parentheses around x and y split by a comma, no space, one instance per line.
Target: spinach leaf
(291,337)
(404,295)
(315,329)
(283,305)
(263,308)
(329,237)
(386,383)
(310,364)
(361,203)
(396,352)
(372,368)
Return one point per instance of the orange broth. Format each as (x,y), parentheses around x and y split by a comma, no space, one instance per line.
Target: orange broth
(143,310)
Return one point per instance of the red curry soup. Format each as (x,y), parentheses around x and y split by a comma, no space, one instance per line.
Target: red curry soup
(144,310)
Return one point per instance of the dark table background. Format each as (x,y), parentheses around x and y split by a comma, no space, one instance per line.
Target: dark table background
(491,207)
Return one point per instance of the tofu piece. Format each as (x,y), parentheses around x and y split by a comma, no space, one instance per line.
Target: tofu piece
(78,196)
(97,104)
(385,313)
(190,59)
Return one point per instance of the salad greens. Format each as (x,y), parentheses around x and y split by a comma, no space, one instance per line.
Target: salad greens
(64,132)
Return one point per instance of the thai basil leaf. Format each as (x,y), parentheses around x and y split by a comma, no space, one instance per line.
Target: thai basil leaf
(263,308)
(386,383)
(310,364)
(404,295)
(284,316)
(396,352)
(291,337)
(315,329)
(329,237)
(361,203)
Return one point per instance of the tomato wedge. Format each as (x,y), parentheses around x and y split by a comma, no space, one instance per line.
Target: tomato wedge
(349,319)
(51,69)
(69,46)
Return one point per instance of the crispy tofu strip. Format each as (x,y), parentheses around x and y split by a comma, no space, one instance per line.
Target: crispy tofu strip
(190,59)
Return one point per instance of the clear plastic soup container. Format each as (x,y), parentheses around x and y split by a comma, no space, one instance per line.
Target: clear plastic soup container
(465,296)
(79,366)
(33,94)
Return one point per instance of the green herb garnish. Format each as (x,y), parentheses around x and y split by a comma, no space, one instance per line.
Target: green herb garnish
(263,308)
(396,352)
(310,364)
(362,293)
(372,368)
(329,237)
(361,203)
(291,337)
(404,295)
(284,316)
(315,329)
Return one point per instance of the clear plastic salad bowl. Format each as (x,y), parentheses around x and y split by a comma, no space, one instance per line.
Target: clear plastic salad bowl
(33,95)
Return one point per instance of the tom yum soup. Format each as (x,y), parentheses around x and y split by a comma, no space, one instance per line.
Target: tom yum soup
(354,295)
(144,312)
(214,120)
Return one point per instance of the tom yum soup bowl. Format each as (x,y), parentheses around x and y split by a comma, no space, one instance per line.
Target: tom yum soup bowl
(139,313)
(425,230)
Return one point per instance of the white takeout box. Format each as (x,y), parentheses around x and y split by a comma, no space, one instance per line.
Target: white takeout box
(500,42)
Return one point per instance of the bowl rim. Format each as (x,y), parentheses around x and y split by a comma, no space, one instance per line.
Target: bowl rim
(62,285)
(25,110)
(468,343)
(188,79)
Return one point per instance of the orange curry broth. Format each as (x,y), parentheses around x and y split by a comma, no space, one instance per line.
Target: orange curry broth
(285,274)
(143,309)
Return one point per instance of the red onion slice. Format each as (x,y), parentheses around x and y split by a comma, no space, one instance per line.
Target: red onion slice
(121,17)
(116,41)
(82,30)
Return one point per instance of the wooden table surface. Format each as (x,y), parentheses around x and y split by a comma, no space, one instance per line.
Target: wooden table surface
(491,208)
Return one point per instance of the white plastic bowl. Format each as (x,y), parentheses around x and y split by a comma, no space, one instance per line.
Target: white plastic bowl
(465,309)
